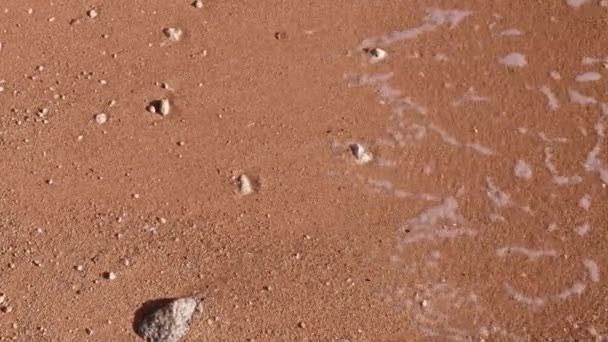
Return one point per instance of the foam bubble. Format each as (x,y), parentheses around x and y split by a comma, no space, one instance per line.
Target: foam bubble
(555,75)
(576,3)
(582,229)
(514,59)
(590,76)
(585,202)
(522,170)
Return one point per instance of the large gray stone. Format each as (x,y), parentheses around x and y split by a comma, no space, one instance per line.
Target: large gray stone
(169,323)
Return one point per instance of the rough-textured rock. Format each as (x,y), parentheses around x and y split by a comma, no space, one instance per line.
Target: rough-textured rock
(361,155)
(168,323)
(245,185)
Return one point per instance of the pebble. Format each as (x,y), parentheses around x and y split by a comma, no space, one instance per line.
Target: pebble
(92,13)
(79,268)
(164,107)
(174,34)
(101,118)
(361,155)
(6,309)
(42,112)
(245,185)
(198,4)
(377,55)
(169,323)
(109,275)
(281,35)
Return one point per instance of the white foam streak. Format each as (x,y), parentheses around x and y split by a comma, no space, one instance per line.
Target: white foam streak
(592,269)
(530,253)
(551,98)
(434,19)
(522,298)
(579,98)
(438,222)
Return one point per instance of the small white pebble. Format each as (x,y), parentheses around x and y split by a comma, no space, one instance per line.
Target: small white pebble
(101,118)
(165,107)
(361,155)
(377,55)
(198,4)
(92,13)
(151,109)
(42,112)
(79,268)
(245,185)
(109,275)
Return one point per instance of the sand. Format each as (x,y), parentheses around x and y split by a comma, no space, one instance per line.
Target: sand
(479,214)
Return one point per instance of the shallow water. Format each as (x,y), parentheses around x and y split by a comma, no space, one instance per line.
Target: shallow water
(521,145)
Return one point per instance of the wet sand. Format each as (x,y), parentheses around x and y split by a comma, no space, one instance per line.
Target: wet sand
(473,208)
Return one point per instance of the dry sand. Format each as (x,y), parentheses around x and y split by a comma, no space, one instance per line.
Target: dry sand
(479,215)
